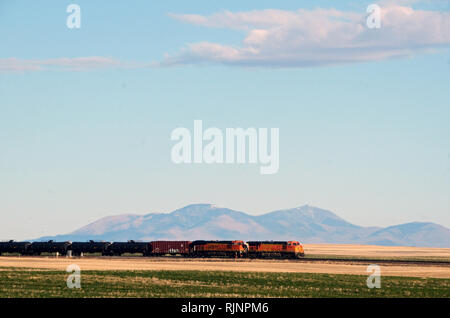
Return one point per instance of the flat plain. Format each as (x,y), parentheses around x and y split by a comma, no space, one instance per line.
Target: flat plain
(184,277)
(278,266)
(374,251)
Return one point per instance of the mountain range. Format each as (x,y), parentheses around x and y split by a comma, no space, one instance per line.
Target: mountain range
(306,224)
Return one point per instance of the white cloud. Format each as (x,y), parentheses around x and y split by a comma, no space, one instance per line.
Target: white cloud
(66,64)
(317,37)
(280,38)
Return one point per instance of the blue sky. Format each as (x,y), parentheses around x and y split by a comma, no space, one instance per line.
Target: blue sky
(368,140)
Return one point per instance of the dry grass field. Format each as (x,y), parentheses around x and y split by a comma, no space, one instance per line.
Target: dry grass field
(374,251)
(279,266)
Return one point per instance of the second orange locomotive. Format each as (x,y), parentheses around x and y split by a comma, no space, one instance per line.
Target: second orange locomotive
(275,249)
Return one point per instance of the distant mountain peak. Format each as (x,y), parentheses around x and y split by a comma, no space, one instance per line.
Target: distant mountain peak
(196,206)
(314,213)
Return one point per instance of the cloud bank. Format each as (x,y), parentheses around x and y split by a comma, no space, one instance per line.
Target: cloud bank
(281,38)
(305,38)
(62,64)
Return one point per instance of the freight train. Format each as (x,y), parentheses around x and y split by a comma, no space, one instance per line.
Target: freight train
(200,248)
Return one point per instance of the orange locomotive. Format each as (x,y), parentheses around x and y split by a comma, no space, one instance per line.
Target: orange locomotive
(271,249)
(219,248)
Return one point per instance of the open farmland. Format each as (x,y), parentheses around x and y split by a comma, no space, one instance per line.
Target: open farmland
(51,283)
(377,252)
(186,277)
(242,265)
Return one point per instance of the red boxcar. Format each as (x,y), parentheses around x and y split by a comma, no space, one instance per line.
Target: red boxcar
(170,247)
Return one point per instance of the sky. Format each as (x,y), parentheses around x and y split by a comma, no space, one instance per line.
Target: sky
(86,114)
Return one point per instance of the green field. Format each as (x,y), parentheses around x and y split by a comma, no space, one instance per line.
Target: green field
(42,283)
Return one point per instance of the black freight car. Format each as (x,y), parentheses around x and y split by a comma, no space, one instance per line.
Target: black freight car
(37,248)
(14,247)
(130,247)
(89,247)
